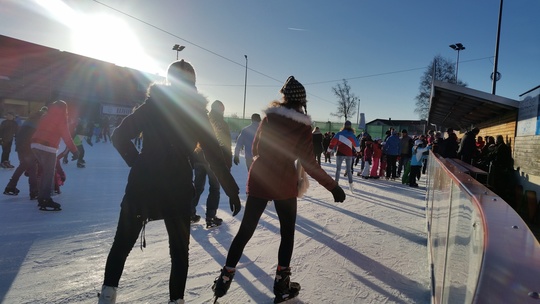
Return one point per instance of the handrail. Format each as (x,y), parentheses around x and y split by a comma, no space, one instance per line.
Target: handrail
(480,249)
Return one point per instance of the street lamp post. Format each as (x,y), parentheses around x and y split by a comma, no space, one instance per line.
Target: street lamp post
(245,88)
(178,48)
(496,75)
(457,47)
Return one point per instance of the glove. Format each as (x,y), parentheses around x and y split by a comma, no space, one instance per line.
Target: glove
(339,194)
(234,202)
(236,160)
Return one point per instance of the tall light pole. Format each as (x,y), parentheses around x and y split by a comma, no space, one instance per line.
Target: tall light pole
(496,75)
(245,88)
(178,48)
(457,47)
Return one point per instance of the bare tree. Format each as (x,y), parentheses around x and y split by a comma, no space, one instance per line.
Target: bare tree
(440,68)
(347,101)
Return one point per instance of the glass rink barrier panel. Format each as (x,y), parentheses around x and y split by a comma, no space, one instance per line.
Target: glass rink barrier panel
(480,249)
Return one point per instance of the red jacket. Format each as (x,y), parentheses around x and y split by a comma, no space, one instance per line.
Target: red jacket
(283,136)
(52,127)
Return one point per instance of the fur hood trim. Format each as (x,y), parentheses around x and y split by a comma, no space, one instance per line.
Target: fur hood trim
(289,113)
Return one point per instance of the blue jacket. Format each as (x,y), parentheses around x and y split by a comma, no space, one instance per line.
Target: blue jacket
(391,147)
(418,155)
(245,140)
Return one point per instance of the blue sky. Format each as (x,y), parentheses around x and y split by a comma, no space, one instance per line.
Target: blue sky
(381,47)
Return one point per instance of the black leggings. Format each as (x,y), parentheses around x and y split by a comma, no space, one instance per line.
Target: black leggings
(286,211)
(127,234)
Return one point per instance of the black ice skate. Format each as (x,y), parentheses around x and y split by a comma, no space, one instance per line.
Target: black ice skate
(195,219)
(11,191)
(81,165)
(284,289)
(222,283)
(48,205)
(213,222)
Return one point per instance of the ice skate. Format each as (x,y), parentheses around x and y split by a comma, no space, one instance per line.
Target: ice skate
(11,191)
(222,283)
(107,295)
(48,205)
(195,219)
(213,222)
(284,289)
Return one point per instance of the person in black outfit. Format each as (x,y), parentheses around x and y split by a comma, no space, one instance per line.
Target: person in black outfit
(8,129)
(317,144)
(27,160)
(173,120)
(467,147)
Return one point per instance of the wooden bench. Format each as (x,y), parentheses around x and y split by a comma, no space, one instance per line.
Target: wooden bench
(472,170)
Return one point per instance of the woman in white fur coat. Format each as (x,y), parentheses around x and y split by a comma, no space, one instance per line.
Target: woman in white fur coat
(283,137)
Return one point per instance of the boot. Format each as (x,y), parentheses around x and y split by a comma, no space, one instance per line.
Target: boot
(213,222)
(11,191)
(48,205)
(107,295)
(223,282)
(284,289)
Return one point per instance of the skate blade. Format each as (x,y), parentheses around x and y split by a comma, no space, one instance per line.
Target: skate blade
(49,208)
(11,193)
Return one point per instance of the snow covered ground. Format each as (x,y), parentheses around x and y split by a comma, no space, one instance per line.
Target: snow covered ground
(369,249)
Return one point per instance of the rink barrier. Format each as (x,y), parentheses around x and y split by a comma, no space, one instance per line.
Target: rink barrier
(480,249)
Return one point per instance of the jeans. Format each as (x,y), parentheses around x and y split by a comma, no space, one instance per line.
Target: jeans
(348,164)
(47,164)
(127,234)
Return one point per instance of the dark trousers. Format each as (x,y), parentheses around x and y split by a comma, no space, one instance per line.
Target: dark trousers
(403,160)
(415,174)
(28,163)
(127,234)
(47,164)
(6,150)
(212,202)
(286,211)
(391,166)
(318,158)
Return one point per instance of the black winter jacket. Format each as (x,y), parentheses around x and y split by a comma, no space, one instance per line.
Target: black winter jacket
(160,181)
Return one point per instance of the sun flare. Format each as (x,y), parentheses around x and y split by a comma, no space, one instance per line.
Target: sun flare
(101,36)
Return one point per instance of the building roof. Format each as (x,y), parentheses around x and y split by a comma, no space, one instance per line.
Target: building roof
(460,107)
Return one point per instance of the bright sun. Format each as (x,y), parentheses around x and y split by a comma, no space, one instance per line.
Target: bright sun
(103,37)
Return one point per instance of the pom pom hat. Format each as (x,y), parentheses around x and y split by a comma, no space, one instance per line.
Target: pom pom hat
(294,92)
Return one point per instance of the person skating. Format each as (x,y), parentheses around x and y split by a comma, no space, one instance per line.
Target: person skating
(173,120)
(245,141)
(8,129)
(52,127)
(346,146)
(283,137)
(27,160)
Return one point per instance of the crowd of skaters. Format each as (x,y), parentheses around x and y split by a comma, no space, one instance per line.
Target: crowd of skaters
(400,155)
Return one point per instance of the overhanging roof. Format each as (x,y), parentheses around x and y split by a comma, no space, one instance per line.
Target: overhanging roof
(461,107)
